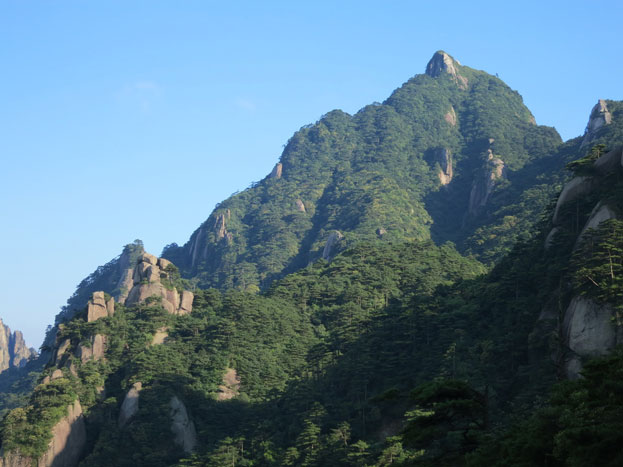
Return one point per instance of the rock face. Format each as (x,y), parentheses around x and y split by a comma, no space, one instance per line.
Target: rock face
(181,426)
(230,387)
(147,283)
(450,116)
(609,162)
(13,350)
(484,182)
(444,63)
(300,207)
(277,171)
(601,212)
(98,307)
(160,336)
(332,241)
(129,407)
(600,116)
(95,351)
(214,228)
(69,437)
(588,331)
(444,157)
(577,187)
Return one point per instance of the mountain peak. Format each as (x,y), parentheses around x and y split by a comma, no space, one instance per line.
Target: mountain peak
(442,63)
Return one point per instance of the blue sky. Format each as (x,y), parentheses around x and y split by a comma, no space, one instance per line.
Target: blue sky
(123,120)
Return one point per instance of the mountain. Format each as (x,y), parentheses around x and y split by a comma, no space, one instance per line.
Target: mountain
(404,286)
(437,159)
(13,350)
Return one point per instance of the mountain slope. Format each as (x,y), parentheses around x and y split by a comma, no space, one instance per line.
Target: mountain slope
(437,152)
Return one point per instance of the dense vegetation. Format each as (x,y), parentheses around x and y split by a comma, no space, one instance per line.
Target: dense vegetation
(430,336)
(374,176)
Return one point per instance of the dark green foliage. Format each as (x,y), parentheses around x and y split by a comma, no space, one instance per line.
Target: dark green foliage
(376,171)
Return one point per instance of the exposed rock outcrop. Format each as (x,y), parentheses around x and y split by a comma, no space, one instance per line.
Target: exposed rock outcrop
(443,156)
(381,231)
(65,449)
(300,206)
(214,229)
(277,171)
(95,351)
(450,116)
(577,187)
(334,238)
(600,116)
(588,331)
(230,387)
(600,213)
(182,426)
(98,307)
(444,63)
(129,407)
(610,162)
(147,282)
(484,183)
(160,336)
(13,350)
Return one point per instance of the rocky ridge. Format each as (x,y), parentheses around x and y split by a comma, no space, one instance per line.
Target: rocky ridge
(13,350)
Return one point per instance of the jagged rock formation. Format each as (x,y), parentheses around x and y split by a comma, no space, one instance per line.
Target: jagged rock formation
(13,350)
(444,63)
(484,183)
(95,351)
(600,116)
(182,426)
(444,157)
(69,438)
(147,282)
(332,241)
(129,407)
(277,171)
(218,231)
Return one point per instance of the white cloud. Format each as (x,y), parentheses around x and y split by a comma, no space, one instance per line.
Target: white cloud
(143,94)
(245,104)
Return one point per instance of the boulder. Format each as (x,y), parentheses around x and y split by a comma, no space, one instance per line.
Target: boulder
(147,258)
(163,263)
(334,238)
(183,429)
(442,63)
(129,407)
(61,349)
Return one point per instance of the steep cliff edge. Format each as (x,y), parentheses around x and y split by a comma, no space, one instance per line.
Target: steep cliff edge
(13,350)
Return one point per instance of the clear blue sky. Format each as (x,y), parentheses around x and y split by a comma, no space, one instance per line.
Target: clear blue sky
(131,119)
